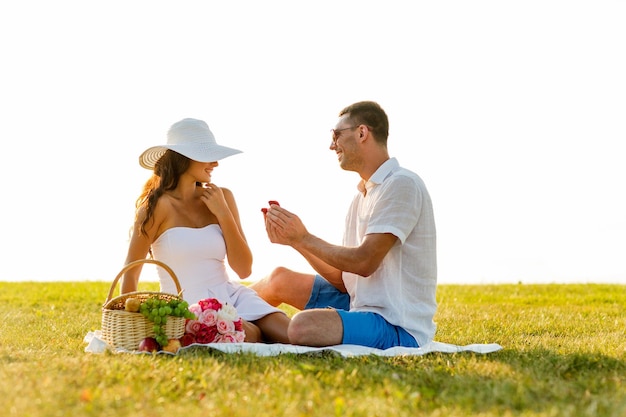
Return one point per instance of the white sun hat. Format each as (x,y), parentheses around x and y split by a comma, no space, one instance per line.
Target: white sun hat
(191,138)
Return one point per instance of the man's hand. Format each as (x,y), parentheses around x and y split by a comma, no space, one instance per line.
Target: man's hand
(284,227)
(265,209)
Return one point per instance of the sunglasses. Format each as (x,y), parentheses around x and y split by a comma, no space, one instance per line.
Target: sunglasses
(337,132)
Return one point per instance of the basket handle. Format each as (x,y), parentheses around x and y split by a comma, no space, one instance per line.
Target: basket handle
(139,262)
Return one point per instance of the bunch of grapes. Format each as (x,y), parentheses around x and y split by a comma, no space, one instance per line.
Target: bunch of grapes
(156,310)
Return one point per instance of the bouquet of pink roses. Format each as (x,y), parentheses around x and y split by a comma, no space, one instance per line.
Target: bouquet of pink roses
(214,323)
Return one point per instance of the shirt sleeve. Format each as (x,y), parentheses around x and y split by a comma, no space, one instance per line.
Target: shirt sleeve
(397,208)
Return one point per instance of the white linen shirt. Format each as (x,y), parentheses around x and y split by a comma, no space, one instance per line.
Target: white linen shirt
(402,290)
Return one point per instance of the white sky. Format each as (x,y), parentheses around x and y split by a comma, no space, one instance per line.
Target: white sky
(513,113)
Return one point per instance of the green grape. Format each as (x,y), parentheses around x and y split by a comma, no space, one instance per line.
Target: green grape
(156,310)
(161,340)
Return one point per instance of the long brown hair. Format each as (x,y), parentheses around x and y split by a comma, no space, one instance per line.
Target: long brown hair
(167,172)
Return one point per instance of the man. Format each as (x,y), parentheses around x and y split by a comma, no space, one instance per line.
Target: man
(381,282)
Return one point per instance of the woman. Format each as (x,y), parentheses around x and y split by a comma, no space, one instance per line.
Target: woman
(192,225)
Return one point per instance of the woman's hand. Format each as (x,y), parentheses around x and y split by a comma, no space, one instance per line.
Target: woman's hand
(213,197)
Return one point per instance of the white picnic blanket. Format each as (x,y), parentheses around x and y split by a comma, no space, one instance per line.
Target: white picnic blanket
(96,345)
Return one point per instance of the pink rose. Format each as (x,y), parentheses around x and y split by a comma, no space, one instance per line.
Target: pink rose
(193,326)
(225,326)
(195,309)
(226,338)
(208,317)
(240,336)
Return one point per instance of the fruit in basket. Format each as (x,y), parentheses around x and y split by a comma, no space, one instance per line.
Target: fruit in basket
(132,304)
(149,344)
(172,346)
(157,310)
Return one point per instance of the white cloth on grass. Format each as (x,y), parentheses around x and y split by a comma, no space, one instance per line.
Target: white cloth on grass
(96,345)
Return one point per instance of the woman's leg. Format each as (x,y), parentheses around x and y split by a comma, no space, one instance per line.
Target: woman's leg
(253,333)
(274,327)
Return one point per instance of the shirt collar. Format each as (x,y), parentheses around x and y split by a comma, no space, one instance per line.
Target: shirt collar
(379,176)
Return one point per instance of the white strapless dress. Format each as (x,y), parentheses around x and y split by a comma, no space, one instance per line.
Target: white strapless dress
(196,255)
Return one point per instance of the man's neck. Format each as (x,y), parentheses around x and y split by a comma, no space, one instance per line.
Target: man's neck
(371,166)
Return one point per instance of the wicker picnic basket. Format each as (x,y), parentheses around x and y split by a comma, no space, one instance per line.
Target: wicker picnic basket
(124,330)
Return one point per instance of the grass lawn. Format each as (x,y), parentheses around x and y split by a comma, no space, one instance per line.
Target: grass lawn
(564,355)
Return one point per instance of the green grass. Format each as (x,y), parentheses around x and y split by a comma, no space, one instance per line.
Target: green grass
(564,355)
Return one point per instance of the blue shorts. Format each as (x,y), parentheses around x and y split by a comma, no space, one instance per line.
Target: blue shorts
(359,327)
(324,294)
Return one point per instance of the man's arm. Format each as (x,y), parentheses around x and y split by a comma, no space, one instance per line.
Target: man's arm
(363,260)
(329,272)
(286,228)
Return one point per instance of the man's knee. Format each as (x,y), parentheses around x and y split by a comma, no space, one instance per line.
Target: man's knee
(299,330)
(272,288)
(283,285)
(277,280)
(319,327)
